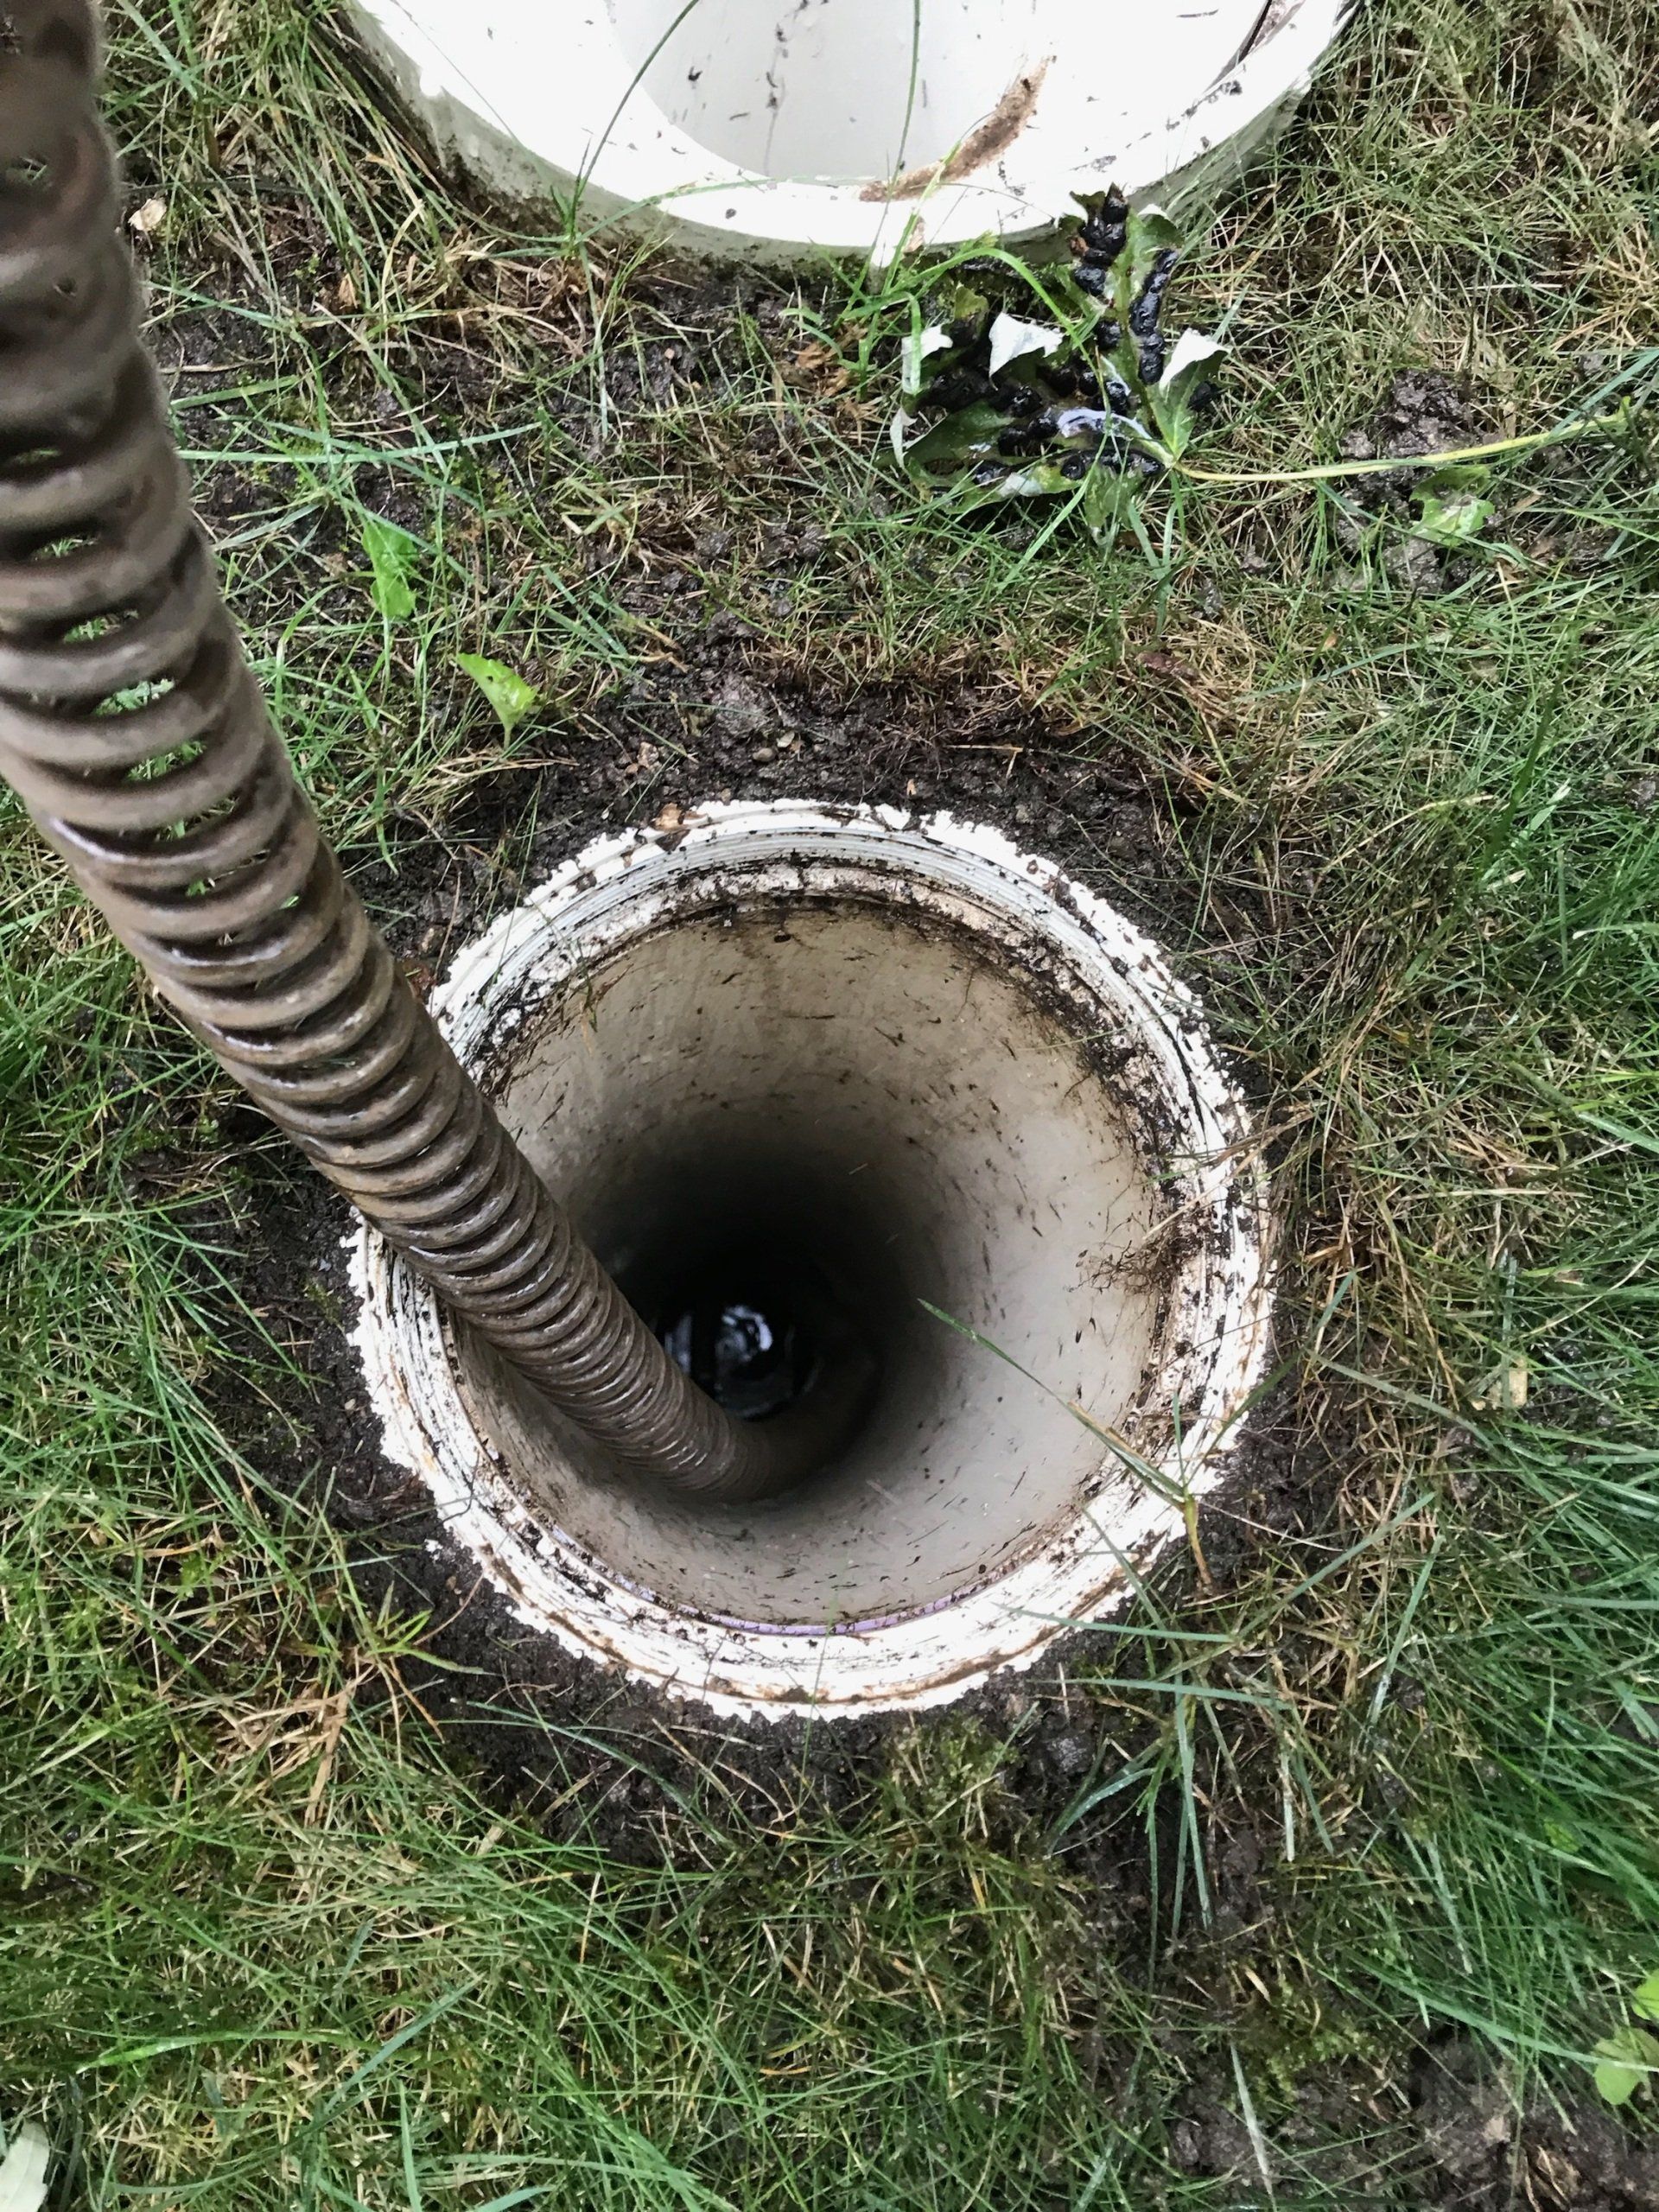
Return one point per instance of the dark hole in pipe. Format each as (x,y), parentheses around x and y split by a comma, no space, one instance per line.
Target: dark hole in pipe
(753,1327)
(773,1319)
(895,1103)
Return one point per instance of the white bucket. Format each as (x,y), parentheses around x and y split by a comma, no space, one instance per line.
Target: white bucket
(907,1054)
(782,130)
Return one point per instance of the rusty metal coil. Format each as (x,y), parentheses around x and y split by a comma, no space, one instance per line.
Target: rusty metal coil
(136,737)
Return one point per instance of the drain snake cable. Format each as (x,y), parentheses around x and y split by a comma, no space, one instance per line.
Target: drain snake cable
(133,731)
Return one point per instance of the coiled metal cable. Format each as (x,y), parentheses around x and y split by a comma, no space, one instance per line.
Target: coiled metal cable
(133,730)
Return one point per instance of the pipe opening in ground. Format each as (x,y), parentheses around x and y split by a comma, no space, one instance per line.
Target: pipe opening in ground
(892,1115)
(878,1115)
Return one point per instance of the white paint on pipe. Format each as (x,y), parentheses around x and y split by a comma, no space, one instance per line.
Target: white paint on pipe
(781,130)
(1054,1155)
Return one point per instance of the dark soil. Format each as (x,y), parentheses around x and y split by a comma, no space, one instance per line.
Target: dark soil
(1574,2156)
(1422,411)
(1472,2147)
(724,724)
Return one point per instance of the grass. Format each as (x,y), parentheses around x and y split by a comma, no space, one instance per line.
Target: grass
(268,1943)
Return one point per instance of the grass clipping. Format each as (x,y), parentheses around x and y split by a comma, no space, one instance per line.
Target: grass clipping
(1089,401)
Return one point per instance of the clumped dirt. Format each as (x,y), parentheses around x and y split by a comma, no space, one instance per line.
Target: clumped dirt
(1423,411)
(1451,2133)
(1485,2155)
(727,724)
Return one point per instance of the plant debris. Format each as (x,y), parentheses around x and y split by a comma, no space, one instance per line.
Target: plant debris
(1455,508)
(1090,401)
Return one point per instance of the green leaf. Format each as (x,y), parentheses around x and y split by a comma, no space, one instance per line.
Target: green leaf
(962,303)
(1148,236)
(1108,500)
(1170,397)
(506,690)
(968,434)
(1646,2000)
(1150,233)
(1627,2056)
(1454,509)
(393,554)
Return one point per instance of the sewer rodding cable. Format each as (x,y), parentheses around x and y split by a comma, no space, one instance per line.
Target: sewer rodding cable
(133,731)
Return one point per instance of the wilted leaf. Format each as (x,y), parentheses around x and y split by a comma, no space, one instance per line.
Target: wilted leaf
(393,556)
(1505,1388)
(1175,395)
(1454,509)
(1040,479)
(507,691)
(912,374)
(912,356)
(1627,2056)
(1012,338)
(22,2171)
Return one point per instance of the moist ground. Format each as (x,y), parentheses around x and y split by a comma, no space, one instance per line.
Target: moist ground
(723,712)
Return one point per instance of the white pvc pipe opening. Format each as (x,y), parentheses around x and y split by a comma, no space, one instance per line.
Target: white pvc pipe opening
(780,128)
(949,1079)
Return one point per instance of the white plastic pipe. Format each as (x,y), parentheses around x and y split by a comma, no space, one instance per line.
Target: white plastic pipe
(957,1081)
(781,130)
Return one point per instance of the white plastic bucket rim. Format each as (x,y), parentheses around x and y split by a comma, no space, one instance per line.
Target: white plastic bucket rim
(1048,99)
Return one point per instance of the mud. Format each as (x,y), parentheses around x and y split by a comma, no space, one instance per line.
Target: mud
(1423,411)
